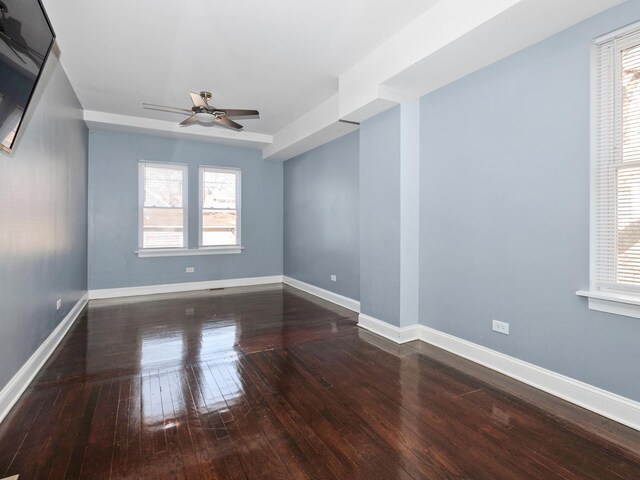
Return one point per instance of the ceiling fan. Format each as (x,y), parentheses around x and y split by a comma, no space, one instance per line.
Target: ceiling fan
(203,113)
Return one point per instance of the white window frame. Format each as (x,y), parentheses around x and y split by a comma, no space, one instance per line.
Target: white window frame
(237,248)
(186,251)
(615,301)
(185,209)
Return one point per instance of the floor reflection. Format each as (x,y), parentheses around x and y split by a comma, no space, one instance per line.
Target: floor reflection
(131,335)
(222,336)
(209,388)
(156,349)
(267,383)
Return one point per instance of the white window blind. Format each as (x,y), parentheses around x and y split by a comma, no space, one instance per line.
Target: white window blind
(616,175)
(162,205)
(220,207)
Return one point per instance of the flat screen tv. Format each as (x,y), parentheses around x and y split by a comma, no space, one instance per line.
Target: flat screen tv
(26,38)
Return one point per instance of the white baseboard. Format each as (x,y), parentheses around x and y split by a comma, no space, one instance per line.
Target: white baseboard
(390,332)
(21,380)
(180,287)
(620,409)
(343,301)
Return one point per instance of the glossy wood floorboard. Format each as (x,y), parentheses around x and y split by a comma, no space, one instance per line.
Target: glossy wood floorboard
(272,383)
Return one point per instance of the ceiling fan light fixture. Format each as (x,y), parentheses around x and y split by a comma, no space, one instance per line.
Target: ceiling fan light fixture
(205,117)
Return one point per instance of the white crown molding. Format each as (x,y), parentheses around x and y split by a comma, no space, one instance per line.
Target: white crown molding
(112,122)
(181,287)
(10,394)
(618,408)
(332,297)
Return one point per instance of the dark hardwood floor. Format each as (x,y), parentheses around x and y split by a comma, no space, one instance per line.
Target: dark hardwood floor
(269,382)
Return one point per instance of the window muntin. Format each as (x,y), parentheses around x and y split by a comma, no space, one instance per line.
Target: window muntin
(219,207)
(163,205)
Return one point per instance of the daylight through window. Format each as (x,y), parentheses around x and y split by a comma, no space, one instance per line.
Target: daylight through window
(219,196)
(163,205)
(617,164)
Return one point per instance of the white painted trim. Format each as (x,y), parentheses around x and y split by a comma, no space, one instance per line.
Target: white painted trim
(593,147)
(112,122)
(618,408)
(180,287)
(602,402)
(187,252)
(388,331)
(616,33)
(21,380)
(618,303)
(615,307)
(630,298)
(324,294)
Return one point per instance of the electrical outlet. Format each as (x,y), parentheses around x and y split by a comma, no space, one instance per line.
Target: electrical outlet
(190,269)
(501,327)
(334,278)
(58,304)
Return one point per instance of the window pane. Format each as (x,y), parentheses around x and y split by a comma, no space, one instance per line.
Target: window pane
(163,228)
(628,213)
(219,228)
(631,104)
(162,186)
(218,189)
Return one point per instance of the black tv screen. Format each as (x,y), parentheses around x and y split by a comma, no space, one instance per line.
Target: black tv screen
(26,38)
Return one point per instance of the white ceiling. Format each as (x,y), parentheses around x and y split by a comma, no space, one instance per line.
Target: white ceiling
(282,57)
(307,65)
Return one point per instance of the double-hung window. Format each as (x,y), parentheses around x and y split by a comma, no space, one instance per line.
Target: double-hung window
(219,207)
(163,200)
(615,189)
(164,209)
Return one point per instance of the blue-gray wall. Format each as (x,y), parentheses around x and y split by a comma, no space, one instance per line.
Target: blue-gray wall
(505,211)
(321,233)
(380,151)
(113,212)
(43,207)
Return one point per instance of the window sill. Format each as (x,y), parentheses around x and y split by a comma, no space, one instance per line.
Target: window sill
(186,252)
(626,304)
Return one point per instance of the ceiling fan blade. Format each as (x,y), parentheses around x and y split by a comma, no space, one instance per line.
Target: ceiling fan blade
(228,123)
(186,112)
(229,112)
(152,106)
(189,121)
(198,101)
